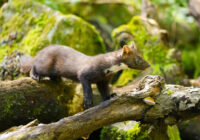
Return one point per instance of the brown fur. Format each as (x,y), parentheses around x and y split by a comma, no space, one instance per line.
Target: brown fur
(60,61)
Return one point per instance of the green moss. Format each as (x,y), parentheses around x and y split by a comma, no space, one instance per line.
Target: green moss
(55,101)
(150,46)
(116,14)
(116,133)
(27,20)
(38,111)
(79,35)
(60,89)
(35,26)
(66,94)
(37,37)
(169,92)
(126,76)
(137,133)
(9,103)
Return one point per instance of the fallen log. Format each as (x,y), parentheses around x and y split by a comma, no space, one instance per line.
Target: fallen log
(173,103)
(24,100)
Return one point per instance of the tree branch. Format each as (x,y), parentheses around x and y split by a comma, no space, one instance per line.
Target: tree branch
(173,103)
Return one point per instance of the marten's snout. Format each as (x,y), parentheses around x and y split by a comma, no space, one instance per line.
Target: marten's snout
(146,65)
(141,64)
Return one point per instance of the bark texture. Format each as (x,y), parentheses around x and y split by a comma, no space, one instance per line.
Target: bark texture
(173,103)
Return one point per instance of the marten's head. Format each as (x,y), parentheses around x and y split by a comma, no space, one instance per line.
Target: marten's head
(132,58)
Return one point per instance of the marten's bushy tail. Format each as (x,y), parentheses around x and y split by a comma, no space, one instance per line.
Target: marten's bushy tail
(26,63)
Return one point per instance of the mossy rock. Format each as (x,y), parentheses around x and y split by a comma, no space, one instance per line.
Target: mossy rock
(111,12)
(129,130)
(104,15)
(30,26)
(148,38)
(24,100)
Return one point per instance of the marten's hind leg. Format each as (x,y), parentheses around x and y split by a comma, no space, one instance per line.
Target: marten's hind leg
(34,75)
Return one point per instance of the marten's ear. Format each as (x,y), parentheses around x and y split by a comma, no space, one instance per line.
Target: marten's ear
(126,49)
(133,46)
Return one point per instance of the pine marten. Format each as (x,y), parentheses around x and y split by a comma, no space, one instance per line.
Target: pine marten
(57,61)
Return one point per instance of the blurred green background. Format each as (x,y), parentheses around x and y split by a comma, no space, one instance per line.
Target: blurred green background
(167,34)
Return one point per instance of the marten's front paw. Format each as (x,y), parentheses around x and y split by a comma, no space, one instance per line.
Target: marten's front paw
(88,104)
(113,95)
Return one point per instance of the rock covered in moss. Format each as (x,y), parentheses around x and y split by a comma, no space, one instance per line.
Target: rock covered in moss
(30,26)
(104,15)
(143,31)
(148,38)
(24,100)
(111,12)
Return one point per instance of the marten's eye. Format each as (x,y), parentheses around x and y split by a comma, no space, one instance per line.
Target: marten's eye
(137,60)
